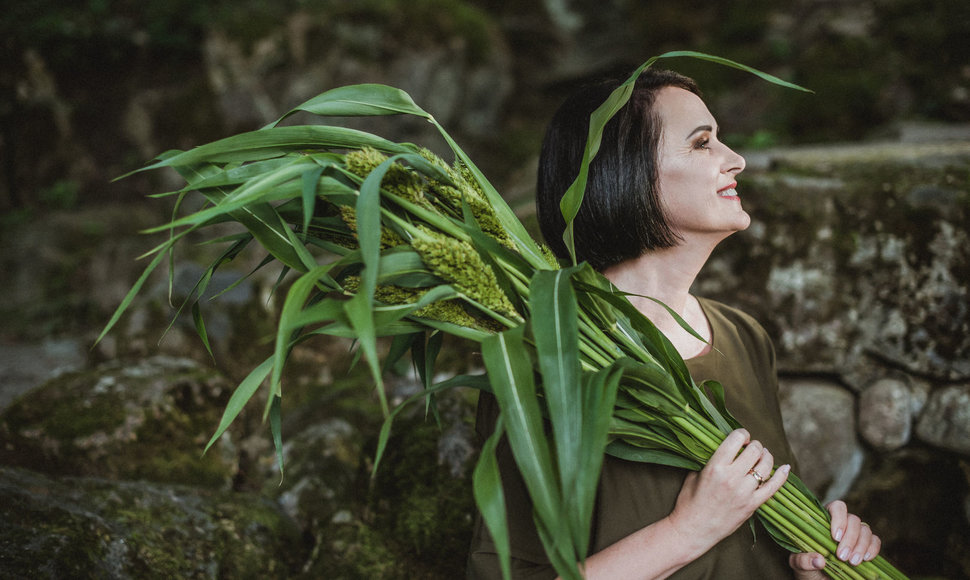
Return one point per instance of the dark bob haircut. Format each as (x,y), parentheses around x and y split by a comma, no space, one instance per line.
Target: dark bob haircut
(621,216)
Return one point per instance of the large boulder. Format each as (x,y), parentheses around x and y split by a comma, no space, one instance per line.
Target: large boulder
(143,420)
(94,528)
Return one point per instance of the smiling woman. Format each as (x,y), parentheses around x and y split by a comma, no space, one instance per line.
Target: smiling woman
(661,194)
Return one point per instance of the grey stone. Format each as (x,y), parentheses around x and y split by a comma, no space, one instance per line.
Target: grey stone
(945,422)
(26,366)
(820,423)
(886,414)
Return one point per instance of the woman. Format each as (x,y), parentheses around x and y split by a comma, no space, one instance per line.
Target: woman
(662,194)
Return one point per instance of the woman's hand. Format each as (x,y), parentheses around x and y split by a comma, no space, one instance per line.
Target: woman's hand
(716,501)
(856,541)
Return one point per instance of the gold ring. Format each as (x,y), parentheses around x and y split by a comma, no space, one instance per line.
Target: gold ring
(757,476)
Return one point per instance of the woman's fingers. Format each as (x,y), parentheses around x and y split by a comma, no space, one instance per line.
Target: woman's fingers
(751,456)
(856,541)
(839,514)
(806,561)
(875,545)
(773,484)
(853,529)
(728,449)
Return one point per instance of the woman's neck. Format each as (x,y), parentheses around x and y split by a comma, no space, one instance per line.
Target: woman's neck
(667,275)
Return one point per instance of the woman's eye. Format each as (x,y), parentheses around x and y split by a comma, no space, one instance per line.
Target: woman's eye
(701,144)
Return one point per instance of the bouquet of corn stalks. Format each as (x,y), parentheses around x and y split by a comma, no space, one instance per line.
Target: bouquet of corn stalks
(387,240)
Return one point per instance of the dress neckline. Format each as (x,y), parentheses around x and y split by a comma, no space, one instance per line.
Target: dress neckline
(710,347)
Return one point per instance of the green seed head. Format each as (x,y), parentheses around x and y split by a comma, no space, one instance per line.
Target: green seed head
(550,258)
(398,179)
(466,190)
(451,311)
(458,262)
(389,238)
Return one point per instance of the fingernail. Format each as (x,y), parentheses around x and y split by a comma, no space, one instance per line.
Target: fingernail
(838,535)
(856,559)
(818,562)
(843,553)
(785,468)
(867,557)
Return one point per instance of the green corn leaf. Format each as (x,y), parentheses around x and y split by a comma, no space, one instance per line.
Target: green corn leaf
(400,345)
(359,308)
(260,219)
(426,370)
(135,288)
(236,175)
(730,63)
(487,487)
(715,393)
(599,392)
(510,372)
(274,142)
(277,185)
(556,335)
(293,305)
(243,393)
(474,381)
(644,455)
(200,329)
(364,100)
(276,428)
(361,316)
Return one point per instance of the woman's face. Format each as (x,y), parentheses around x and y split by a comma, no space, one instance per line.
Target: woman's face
(696,171)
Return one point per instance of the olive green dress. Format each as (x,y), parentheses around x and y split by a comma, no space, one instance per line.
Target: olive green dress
(633,495)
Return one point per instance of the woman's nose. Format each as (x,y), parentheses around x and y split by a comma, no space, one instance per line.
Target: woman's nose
(733,162)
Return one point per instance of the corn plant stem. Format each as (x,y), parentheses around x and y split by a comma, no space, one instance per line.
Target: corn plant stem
(587,331)
(592,348)
(820,537)
(770,512)
(595,330)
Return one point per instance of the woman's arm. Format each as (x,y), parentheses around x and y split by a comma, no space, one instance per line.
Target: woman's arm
(711,505)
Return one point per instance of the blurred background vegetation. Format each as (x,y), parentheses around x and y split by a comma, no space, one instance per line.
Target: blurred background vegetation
(71,70)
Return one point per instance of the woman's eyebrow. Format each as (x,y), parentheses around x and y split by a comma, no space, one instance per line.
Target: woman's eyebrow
(701,129)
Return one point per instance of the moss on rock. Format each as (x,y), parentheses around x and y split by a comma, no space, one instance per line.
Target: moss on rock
(92,528)
(149,420)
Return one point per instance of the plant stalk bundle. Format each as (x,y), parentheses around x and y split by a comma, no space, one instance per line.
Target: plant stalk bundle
(384,239)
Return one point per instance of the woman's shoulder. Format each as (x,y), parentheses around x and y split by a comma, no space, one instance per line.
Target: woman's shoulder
(731,320)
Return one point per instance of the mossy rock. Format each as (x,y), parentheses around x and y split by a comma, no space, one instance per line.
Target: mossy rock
(92,528)
(148,420)
(413,518)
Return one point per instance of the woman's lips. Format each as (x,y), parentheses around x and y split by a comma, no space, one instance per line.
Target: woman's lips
(729,190)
